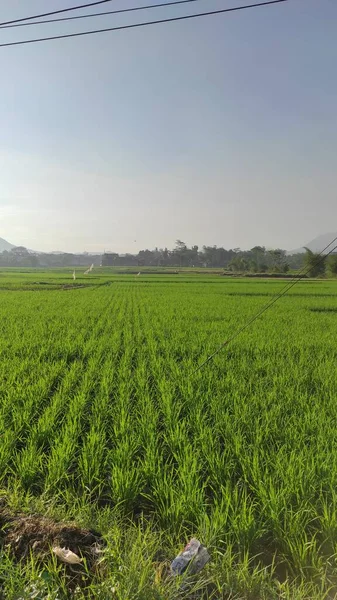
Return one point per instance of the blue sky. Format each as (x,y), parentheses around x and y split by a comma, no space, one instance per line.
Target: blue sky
(220,130)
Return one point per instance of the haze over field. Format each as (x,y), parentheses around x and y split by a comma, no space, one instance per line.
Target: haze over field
(215,131)
(4,245)
(315,245)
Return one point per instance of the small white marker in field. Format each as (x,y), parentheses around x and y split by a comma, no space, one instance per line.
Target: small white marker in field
(89,270)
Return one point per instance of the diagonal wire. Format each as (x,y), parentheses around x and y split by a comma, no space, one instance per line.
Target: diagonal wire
(56,12)
(136,25)
(99,14)
(321,258)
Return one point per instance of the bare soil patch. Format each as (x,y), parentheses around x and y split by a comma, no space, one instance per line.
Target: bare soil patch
(22,534)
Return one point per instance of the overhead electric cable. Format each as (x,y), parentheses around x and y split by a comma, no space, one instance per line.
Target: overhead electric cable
(99,14)
(56,12)
(146,23)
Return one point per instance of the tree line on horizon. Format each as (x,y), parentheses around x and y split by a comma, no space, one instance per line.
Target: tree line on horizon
(256,260)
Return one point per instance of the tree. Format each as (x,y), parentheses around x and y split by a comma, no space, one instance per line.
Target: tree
(34,260)
(109,259)
(296,261)
(180,245)
(181,252)
(332,264)
(67,259)
(20,251)
(259,253)
(239,263)
(315,263)
(193,255)
(278,257)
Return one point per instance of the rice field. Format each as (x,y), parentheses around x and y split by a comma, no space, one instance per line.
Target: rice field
(104,420)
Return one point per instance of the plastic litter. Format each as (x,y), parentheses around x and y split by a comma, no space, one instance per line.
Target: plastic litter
(194,557)
(67,555)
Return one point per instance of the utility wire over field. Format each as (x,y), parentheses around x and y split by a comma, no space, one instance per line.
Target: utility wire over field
(301,274)
(100,14)
(57,12)
(136,25)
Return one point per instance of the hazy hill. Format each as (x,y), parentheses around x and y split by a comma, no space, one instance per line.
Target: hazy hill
(318,244)
(4,245)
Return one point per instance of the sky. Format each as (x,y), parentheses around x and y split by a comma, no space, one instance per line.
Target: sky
(218,131)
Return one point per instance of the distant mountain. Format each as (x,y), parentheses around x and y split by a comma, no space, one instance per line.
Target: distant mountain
(4,245)
(318,244)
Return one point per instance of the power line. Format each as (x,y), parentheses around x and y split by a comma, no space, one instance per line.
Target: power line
(282,293)
(134,25)
(56,12)
(98,14)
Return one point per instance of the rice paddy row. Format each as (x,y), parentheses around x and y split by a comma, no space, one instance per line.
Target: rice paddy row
(102,413)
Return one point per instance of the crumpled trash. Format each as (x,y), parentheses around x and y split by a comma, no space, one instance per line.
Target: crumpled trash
(194,557)
(67,555)
(97,549)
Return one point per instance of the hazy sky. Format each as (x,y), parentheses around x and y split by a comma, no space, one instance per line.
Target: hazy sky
(220,130)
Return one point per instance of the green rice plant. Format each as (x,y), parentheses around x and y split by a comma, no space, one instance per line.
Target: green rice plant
(93,459)
(103,412)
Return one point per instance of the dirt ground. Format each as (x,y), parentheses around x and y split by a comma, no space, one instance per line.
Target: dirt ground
(22,534)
